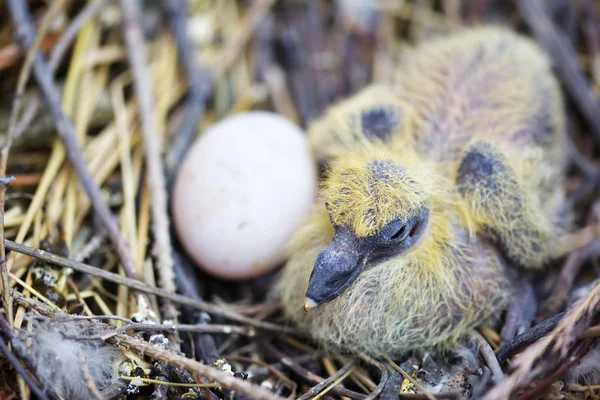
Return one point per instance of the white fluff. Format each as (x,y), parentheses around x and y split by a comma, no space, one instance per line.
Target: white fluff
(587,372)
(361,13)
(58,359)
(583,291)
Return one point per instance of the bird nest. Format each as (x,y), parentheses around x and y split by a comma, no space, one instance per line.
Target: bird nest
(100,301)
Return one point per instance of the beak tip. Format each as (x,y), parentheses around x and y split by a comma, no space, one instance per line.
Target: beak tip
(309,304)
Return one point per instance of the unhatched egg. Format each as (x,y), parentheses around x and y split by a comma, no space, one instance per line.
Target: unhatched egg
(243,189)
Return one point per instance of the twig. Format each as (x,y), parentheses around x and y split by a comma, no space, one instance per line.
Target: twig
(11,135)
(393,386)
(136,51)
(196,368)
(90,247)
(333,384)
(302,359)
(537,389)
(142,287)
(58,52)
(30,55)
(198,82)
(79,21)
(318,388)
(190,287)
(554,346)
(314,379)
(565,59)
(71,317)
(383,377)
(200,328)
(272,369)
(89,380)
(33,304)
(21,352)
(488,355)
(421,396)
(22,372)
(3,267)
(280,96)
(24,36)
(294,41)
(592,34)
(526,338)
(412,380)
(235,46)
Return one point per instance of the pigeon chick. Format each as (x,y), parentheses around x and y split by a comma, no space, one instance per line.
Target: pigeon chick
(436,189)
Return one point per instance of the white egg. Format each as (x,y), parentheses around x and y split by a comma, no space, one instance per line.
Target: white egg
(243,189)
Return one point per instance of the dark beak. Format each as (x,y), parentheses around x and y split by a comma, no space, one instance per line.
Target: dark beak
(337,267)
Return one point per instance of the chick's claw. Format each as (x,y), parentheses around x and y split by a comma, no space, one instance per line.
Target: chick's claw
(521,312)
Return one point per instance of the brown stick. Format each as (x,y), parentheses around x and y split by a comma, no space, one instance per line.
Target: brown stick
(58,52)
(12,360)
(308,375)
(144,288)
(20,350)
(318,388)
(198,328)
(199,83)
(11,134)
(134,39)
(196,368)
(24,36)
(565,60)
(383,377)
(3,267)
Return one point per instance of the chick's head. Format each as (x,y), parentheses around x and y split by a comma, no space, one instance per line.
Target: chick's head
(379,208)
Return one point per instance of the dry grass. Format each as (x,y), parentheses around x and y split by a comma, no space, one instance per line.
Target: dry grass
(94,147)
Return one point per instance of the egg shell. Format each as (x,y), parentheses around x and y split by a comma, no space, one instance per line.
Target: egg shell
(243,189)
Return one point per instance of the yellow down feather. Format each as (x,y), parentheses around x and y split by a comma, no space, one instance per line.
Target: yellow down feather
(484,85)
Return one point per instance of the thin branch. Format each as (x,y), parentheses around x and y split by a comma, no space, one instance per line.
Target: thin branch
(273,369)
(144,288)
(199,86)
(554,348)
(534,392)
(10,357)
(58,52)
(195,368)
(203,328)
(235,47)
(412,380)
(314,379)
(11,135)
(319,387)
(79,21)
(565,60)
(3,267)
(33,303)
(90,247)
(383,377)
(488,355)
(136,51)
(526,338)
(24,35)
(30,55)
(21,352)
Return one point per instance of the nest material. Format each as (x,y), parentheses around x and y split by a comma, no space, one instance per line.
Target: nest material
(94,125)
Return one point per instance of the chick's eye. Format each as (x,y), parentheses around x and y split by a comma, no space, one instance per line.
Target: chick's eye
(399,233)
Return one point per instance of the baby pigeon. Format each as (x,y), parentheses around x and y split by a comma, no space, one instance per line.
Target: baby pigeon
(436,189)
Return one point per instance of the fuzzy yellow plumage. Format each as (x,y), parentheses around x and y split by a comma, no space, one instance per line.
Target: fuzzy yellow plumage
(431,184)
